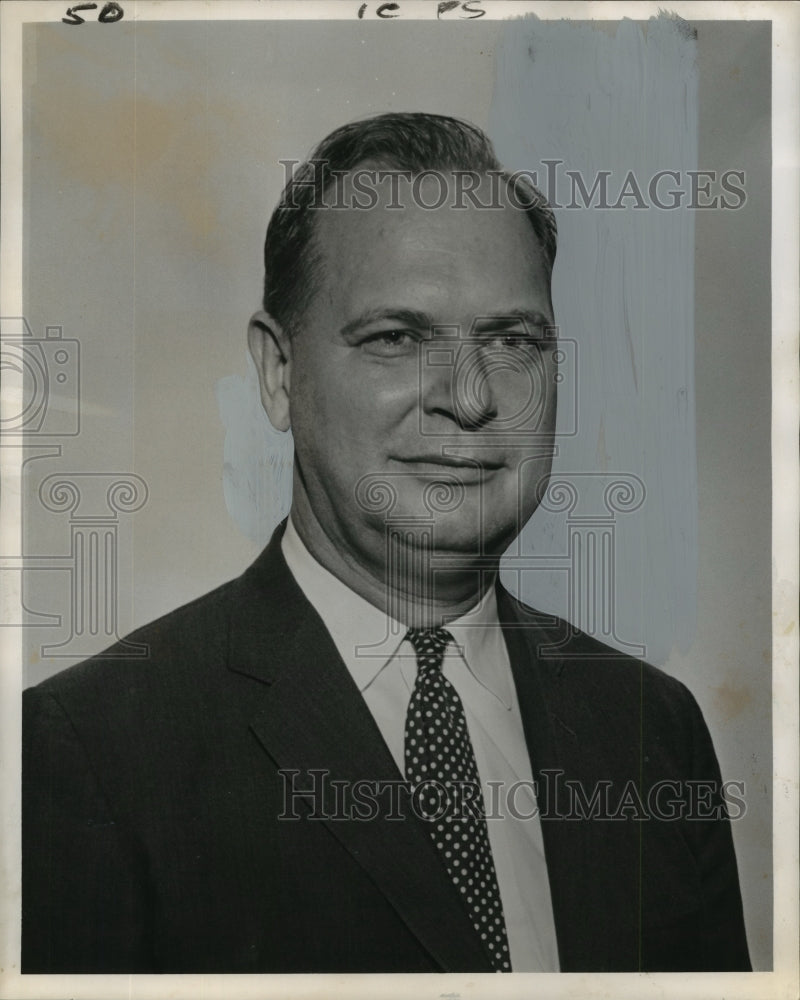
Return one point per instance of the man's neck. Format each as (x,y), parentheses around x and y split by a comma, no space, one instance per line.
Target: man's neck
(411,592)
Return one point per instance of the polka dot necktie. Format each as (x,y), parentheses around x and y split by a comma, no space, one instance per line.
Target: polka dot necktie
(440,766)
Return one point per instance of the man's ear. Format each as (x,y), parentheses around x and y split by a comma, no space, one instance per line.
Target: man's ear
(271,350)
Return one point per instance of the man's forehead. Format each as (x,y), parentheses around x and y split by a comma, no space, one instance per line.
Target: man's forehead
(377,203)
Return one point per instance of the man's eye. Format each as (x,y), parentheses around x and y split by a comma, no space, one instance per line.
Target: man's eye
(388,342)
(393,336)
(516,341)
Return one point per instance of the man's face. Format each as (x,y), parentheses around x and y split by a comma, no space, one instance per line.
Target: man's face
(421,377)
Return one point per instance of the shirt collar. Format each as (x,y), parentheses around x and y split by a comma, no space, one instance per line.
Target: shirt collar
(479,636)
(367,638)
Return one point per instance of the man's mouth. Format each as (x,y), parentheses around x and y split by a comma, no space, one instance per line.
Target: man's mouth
(454,462)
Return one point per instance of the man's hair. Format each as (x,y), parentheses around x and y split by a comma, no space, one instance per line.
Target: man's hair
(412,142)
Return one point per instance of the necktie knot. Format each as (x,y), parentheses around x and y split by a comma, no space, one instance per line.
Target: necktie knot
(429,645)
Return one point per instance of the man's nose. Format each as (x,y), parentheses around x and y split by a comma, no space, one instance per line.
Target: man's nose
(464,392)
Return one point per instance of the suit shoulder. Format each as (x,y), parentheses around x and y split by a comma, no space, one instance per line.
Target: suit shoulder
(585,661)
(191,634)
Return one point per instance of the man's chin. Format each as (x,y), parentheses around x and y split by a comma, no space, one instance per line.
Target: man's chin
(488,543)
(456,533)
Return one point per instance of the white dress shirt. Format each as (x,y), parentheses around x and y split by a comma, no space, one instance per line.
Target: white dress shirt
(383,664)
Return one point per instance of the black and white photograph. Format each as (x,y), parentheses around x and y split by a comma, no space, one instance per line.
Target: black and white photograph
(399,549)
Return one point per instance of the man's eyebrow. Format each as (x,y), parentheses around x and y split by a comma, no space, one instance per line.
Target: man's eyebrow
(412,318)
(502,320)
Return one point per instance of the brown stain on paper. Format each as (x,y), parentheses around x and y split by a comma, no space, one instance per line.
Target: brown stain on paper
(731,699)
(158,151)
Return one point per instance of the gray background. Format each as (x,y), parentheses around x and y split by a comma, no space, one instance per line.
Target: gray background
(151,168)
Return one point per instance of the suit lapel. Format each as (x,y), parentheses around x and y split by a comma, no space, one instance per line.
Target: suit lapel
(593,864)
(312,716)
(555,753)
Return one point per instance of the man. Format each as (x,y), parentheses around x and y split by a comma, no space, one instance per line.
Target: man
(364,755)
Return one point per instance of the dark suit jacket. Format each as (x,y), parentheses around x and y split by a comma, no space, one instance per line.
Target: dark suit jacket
(151,838)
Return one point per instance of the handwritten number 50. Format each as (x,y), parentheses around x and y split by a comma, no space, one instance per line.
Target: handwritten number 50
(110,13)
